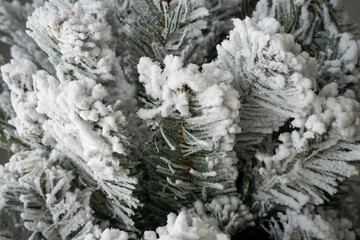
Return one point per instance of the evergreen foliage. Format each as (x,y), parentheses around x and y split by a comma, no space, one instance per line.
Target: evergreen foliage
(179,119)
(158,28)
(269,69)
(191,133)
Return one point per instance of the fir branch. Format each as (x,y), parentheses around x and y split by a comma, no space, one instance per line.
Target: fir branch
(99,142)
(13,17)
(307,165)
(158,28)
(191,156)
(274,78)
(320,27)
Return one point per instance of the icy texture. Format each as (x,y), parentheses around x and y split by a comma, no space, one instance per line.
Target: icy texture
(203,222)
(6,108)
(210,90)
(51,205)
(308,164)
(341,64)
(274,78)
(11,225)
(233,215)
(158,28)
(186,226)
(8,135)
(74,108)
(297,226)
(78,34)
(19,77)
(13,17)
(107,234)
(323,28)
(7,177)
(79,111)
(258,136)
(201,112)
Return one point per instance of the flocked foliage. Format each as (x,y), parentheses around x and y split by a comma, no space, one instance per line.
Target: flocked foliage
(179,119)
(306,157)
(269,69)
(158,28)
(191,154)
(322,28)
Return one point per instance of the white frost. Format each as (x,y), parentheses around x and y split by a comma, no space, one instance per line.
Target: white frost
(186,226)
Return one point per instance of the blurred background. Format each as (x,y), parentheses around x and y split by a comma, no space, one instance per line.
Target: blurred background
(353,7)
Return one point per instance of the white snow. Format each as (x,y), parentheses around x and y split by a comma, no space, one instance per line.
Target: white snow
(186,226)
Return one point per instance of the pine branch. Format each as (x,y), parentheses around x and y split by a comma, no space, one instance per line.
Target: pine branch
(191,223)
(27,121)
(218,220)
(11,225)
(300,226)
(53,203)
(82,169)
(89,93)
(323,30)
(157,28)
(191,152)
(308,164)
(13,17)
(274,78)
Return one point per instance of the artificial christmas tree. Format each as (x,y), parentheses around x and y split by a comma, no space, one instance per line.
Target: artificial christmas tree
(180,119)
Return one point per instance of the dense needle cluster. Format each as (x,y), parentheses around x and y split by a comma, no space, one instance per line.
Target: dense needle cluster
(179,120)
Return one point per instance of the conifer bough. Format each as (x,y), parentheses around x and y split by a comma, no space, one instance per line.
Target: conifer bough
(180,120)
